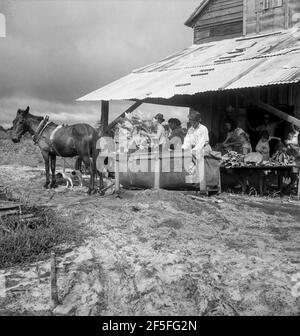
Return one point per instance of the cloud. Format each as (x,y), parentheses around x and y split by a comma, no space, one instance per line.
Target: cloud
(80,112)
(57,51)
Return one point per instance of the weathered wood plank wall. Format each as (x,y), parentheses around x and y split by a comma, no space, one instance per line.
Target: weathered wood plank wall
(220,19)
(271,15)
(296,100)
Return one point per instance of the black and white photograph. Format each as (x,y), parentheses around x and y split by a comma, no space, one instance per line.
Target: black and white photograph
(149,160)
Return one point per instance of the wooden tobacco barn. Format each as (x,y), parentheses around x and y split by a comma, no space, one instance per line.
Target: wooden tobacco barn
(246,54)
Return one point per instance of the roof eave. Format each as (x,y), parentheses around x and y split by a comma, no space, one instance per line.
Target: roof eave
(190,21)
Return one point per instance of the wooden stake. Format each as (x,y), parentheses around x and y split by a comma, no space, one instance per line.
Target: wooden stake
(245,17)
(157,170)
(117,171)
(298,195)
(201,171)
(53,284)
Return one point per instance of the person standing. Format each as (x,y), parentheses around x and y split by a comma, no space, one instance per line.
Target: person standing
(196,140)
(176,136)
(158,137)
(197,137)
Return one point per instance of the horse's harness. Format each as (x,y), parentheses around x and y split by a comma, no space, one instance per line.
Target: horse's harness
(40,130)
(38,135)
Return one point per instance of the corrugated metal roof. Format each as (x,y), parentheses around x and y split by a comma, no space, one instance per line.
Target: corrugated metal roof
(229,64)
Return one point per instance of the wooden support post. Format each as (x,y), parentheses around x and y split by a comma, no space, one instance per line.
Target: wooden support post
(157,170)
(244,17)
(201,171)
(117,171)
(296,100)
(104,116)
(286,14)
(298,194)
(53,283)
(258,16)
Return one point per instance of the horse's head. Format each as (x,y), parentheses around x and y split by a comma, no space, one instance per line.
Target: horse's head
(20,125)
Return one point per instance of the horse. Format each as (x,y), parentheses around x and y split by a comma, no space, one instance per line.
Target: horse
(58,140)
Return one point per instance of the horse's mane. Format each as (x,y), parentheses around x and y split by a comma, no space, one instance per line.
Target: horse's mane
(38,118)
(52,123)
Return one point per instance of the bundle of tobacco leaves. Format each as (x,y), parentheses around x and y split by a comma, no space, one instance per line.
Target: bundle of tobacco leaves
(279,159)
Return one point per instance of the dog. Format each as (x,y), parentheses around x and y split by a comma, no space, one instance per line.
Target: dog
(69,177)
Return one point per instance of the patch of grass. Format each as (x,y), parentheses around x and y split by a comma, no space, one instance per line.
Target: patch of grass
(26,240)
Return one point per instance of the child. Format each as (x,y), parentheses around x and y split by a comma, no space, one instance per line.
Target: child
(246,145)
(263,145)
(292,139)
(292,142)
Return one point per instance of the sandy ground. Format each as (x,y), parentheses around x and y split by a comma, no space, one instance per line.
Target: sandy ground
(161,253)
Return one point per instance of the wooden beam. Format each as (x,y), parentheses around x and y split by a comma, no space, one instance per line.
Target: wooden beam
(157,169)
(244,17)
(129,110)
(286,14)
(298,194)
(117,172)
(257,16)
(277,112)
(53,281)
(104,115)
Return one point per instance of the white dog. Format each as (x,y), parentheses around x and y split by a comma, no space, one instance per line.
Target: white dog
(69,177)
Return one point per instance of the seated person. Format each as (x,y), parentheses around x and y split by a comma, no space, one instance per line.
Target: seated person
(237,139)
(263,145)
(176,136)
(293,137)
(229,126)
(292,142)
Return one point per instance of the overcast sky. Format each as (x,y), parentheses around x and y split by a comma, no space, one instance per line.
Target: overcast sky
(57,51)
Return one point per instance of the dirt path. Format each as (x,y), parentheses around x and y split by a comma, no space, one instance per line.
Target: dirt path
(162,253)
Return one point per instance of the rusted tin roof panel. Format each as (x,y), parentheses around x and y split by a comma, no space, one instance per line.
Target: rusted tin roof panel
(230,64)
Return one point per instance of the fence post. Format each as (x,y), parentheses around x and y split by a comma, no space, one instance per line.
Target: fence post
(53,282)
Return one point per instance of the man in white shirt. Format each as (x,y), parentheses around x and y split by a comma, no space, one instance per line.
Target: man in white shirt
(197,135)
(196,140)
